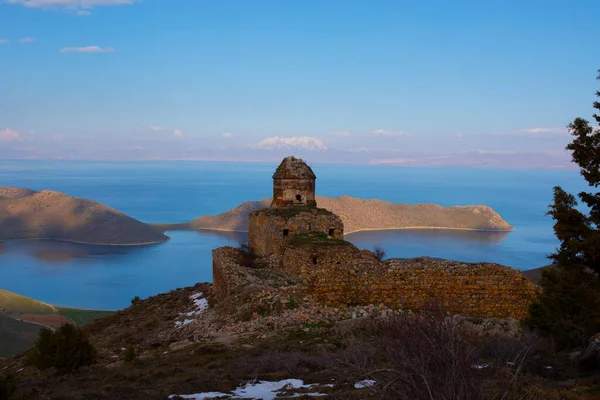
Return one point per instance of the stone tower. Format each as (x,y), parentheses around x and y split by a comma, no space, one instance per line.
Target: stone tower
(293,212)
(293,184)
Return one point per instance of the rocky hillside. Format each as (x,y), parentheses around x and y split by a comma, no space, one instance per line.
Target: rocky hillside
(25,214)
(272,333)
(15,193)
(359,214)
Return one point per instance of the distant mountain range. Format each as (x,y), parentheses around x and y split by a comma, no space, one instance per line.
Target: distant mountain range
(360,214)
(26,214)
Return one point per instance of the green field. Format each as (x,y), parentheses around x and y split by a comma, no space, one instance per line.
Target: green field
(82,317)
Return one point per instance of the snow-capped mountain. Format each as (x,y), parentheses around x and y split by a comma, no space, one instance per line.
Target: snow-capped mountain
(302,142)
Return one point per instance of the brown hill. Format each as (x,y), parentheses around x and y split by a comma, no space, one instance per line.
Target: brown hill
(15,193)
(26,214)
(359,214)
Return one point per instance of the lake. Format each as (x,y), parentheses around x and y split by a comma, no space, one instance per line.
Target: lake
(103,277)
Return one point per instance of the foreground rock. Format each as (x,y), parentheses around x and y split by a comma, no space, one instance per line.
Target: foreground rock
(192,340)
(25,214)
(360,214)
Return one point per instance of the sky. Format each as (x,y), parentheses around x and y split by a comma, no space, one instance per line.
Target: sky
(470,83)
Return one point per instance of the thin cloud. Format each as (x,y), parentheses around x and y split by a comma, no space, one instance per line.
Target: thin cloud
(227,134)
(177,133)
(3,41)
(8,135)
(80,7)
(340,133)
(541,130)
(27,40)
(385,132)
(152,128)
(88,49)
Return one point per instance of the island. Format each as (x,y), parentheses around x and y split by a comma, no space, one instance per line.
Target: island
(365,214)
(27,214)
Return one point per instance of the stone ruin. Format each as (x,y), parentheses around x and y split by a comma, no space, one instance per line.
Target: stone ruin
(293,212)
(293,184)
(296,237)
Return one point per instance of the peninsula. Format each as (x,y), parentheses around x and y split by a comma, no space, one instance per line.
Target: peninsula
(361,215)
(27,214)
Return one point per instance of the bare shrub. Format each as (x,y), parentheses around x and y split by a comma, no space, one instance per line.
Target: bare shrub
(276,361)
(429,355)
(379,253)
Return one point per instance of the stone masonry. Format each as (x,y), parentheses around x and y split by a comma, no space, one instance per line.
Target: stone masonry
(293,234)
(270,230)
(479,290)
(293,184)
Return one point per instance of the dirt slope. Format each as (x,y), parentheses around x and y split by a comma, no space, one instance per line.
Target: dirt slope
(47,214)
(360,214)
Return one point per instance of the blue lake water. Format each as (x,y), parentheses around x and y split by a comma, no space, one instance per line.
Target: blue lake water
(108,277)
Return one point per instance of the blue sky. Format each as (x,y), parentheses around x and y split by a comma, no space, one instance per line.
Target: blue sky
(399,82)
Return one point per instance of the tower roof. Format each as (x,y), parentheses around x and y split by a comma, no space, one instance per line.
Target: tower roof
(293,168)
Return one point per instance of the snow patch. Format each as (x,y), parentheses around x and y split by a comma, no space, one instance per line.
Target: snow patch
(264,390)
(200,305)
(365,383)
(182,323)
(200,302)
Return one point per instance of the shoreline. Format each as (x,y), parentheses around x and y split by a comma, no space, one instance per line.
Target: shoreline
(183,227)
(88,243)
(359,230)
(429,227)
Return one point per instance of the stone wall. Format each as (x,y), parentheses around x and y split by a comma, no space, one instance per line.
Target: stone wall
(479,290)
(228,276)
(270,230)
(293,192)
(342,275)
(308,259)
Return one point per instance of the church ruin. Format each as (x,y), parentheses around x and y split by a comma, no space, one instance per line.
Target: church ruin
(293,212)
(295,238)
(293,184)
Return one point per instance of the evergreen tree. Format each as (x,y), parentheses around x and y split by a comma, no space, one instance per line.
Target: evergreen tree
(66,349)
(569,306)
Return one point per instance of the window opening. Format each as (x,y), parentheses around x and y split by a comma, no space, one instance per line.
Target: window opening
(331,230)
(286,232)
